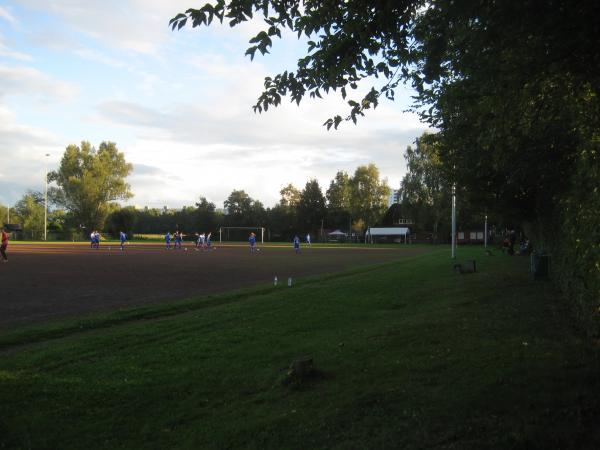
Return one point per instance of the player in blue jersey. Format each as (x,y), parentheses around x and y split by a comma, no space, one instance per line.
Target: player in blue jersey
(168,240)
(123,239)
(252,242)
(96,239)
(296,244)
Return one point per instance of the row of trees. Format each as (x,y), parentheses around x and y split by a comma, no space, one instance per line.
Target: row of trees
(89,182)
(350,202)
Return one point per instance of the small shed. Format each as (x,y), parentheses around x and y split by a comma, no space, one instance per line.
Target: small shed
(374,232)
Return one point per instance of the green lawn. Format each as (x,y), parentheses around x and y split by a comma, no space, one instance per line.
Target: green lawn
(411,355)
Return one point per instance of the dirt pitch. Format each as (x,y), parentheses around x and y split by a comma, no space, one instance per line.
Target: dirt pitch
(42,282)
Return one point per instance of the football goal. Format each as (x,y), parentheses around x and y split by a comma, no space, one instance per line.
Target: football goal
(240,233)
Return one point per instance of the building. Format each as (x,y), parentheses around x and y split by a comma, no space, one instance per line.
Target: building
(394,197)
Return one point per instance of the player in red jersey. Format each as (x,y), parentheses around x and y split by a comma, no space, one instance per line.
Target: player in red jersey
(4,245)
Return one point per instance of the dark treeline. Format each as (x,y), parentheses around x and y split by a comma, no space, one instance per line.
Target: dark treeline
(351,203)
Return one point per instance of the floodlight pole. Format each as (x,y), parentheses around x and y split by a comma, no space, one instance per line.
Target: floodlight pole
(453,221)
(485,233)
(46,201)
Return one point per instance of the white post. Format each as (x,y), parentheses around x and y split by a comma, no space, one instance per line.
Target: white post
(262,235)
(321,237)
(46,201)
(454,221)
(485,233)
(220,234)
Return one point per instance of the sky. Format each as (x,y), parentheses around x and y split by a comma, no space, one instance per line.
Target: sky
(177,103)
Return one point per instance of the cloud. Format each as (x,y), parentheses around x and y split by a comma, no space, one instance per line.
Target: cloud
(212,153)
(21,80)
(140,26)
(142,170)
(132,114)
(23,161)
(6,15)
(9,53)
(137,25)
(179,105)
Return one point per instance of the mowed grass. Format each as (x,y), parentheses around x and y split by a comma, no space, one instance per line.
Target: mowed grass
(409,355)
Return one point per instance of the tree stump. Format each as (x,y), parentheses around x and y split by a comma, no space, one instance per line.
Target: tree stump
(469,266)
(302,367)
(300,370)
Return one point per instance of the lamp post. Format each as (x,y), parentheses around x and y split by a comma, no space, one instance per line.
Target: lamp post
(46,201)
(485,233)
(453,221)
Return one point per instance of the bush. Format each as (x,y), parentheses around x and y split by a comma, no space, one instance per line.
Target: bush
(575,246)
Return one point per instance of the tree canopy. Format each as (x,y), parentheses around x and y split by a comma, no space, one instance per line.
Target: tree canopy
(311,207)
(368,196)
(29,213)
(243,210)
(88,180)
(510,86)
(347,42)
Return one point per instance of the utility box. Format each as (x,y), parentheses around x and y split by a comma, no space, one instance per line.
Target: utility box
(540,266)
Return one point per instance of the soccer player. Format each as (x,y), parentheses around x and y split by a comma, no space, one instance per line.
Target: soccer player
(93,239)
(4,245)
(96,240)
(208,241)
(122,238)
(168,240)
(252,242)
(296,244)
(308,239)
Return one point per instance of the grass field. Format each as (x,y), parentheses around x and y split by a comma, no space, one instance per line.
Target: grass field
(408,355)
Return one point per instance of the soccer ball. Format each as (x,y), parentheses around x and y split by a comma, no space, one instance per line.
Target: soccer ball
(185,249)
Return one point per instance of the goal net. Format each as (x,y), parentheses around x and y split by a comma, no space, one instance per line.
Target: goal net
(232,234)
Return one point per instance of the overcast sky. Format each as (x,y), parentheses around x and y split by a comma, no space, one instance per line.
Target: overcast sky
(178,104)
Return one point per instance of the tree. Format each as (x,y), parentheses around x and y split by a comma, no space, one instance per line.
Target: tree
(512,87)
(424,189)
(368,196)
(238,206)
(243,211)
(347,42)
(29,211)
(88,180)
(56,220)
(283,218)
(4,214)
(121,219)
(311,207)
(338,194)
(205,214)
(290,196)
(338,202)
